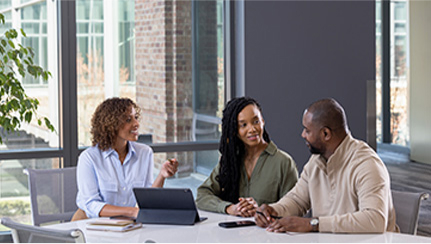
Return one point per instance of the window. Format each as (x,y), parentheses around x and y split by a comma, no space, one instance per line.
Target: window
(168,56)
(395,128)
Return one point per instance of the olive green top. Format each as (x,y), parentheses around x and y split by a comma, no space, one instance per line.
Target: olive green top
(273,176)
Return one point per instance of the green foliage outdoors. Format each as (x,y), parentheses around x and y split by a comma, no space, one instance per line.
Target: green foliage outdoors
(16,61)
(14,208)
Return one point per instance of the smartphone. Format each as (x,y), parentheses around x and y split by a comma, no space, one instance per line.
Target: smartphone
(235,224)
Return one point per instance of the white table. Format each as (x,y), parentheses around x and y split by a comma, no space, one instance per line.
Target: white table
(209,231)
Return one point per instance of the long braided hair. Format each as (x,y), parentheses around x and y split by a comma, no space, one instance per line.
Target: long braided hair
(232,149)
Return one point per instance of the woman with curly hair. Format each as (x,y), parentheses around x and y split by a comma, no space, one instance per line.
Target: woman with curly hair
(251,170)
(108,171)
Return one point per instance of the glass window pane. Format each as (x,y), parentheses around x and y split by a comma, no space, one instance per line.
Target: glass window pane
(14,194)
(8,22)
(90,67)
(399,78)
(149,57)
(378,72)
(5,4)
(400,28)
(398,72)
(400,8)
(33,20)
(204,162)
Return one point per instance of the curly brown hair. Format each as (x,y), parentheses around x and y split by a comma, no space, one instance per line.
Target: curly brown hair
(108,118)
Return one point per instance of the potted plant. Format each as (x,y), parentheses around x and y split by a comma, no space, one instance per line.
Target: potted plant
(16,62)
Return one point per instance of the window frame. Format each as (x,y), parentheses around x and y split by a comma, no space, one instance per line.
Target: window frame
(69,150)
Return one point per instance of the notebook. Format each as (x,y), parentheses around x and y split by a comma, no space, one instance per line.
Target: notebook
(113,225)
(166,206)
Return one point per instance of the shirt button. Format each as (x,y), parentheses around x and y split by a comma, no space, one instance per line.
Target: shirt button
(124,188)
(124,203)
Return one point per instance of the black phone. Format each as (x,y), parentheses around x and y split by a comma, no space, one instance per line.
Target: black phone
(234,224)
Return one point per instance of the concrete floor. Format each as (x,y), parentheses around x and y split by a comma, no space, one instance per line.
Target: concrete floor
(413,177)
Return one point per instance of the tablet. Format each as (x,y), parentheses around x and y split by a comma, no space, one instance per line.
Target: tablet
(166,206)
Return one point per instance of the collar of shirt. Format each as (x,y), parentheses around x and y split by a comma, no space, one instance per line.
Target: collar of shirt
(338,157)
(271,149)
(111,152)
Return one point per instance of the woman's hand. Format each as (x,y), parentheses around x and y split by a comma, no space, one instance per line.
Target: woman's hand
(169,168)
(246,207)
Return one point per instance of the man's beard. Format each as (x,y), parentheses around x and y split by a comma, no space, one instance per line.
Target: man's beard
(313,149)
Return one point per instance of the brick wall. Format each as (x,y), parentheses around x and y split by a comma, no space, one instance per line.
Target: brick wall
(164,73)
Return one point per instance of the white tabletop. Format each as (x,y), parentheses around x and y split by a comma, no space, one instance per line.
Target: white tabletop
(209,231)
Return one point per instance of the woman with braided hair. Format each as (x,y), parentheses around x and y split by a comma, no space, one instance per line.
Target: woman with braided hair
(251,170)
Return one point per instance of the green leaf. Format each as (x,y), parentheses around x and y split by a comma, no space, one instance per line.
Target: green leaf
(21,72)
(11,44)
(49,125)
(15,122)
(28,116)
(45,75)
(13,33)
(23,33)
(31,70)
(28,104)
(15,104)
(30,50)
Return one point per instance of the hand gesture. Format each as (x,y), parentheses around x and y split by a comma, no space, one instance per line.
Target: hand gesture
(264,215)
(292,224)
(246,207)
(169,168)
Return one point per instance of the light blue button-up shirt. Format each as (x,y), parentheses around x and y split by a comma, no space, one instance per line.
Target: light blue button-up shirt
(102,179)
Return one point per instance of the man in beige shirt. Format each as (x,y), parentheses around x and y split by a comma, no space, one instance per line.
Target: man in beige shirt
(345,183)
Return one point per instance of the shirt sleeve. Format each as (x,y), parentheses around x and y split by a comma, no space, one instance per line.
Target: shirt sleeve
(88,188)
(289,179)
(149,161)
(207,197)
(297,201)
(373,189)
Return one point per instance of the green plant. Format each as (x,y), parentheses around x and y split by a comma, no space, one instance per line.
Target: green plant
(14,208)
(16,61)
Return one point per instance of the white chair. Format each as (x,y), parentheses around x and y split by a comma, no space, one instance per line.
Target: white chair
(407,209)
(52,194)
(22,233)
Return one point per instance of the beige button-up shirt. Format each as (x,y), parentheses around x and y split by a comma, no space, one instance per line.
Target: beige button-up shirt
(349,193)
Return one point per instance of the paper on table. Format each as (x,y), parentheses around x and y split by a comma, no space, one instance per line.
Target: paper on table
(115,222)
(113,225)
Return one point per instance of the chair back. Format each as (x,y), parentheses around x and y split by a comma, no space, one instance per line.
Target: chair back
(52,194)
(406,206)
(204,126)
(22,233)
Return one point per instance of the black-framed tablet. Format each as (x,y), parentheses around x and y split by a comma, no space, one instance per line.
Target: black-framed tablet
(166,206)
